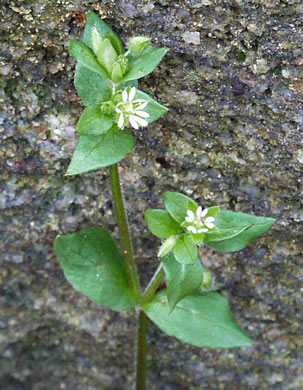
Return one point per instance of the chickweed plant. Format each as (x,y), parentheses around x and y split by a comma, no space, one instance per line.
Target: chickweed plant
(187,307)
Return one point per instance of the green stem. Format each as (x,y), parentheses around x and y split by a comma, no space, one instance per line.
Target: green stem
(153,285)
(141,351)
(124,232)
(150,290)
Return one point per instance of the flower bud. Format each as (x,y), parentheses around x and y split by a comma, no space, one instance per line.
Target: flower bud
(138,44)
(208,279)
(120,67)
(116,73)
(97,39)
(168,246)
(107,107)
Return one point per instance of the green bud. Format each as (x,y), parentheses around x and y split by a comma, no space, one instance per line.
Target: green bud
(208,279)
(117,73)
(120,67)
(107,107)
(97,40)
(138,44)
(106,55)
(168,246)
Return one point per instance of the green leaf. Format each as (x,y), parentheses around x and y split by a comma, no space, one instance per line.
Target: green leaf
(230,219)
(154,109)
(201,319)
(182,279)
(107,55)
(94,152)
(86,57)
(177,205)
(92,20)
(116,43)
(224,234)
(161,224)
(93,121)
(91,87)
(144,63)
(93,265)
(186,251)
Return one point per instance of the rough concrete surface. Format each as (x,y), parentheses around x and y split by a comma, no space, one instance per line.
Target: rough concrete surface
(233,83)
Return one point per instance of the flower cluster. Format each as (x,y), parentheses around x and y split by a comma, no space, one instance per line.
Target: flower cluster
(199,222)
(130,110)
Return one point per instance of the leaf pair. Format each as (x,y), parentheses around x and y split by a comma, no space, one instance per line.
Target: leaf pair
(93,265)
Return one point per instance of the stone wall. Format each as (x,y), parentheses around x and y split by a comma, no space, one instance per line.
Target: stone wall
(233,82)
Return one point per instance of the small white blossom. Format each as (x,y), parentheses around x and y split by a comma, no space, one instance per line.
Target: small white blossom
(199,222)
(130,110)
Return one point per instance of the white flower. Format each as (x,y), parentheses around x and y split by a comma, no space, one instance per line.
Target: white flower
(130,110)
(199,222)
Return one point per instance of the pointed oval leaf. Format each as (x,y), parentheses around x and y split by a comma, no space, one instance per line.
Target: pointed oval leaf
(93,121)
(107,55)
(144,63)
(201,319)
(154,109)
(91,87)
(94,152)
(224,234)
(92,20)
(116,43)
(86,57)
(186,251)
(227,219)
(182,279)
(161,224)
(93,265)
(177,205)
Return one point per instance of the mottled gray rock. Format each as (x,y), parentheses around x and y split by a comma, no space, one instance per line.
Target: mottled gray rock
(232,137)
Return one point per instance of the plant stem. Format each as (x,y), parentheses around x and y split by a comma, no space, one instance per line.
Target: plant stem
(153,285)
(124,232)
(141,351)
(150,290)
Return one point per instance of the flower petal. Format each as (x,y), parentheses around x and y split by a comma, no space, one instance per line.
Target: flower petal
(210,225)
(192,229)
(199,212)
(204,212)
(141,105)
(209,219)
(141,121)
(133,123)
(121,121)
(124,96)
(132,93)
(191,214)
(189,219)
(142,114)
(202,230)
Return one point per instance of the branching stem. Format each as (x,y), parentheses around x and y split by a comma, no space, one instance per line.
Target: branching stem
(133,277)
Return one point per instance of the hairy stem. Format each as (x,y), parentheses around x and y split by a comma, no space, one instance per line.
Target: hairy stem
(124,232)
(141,351)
